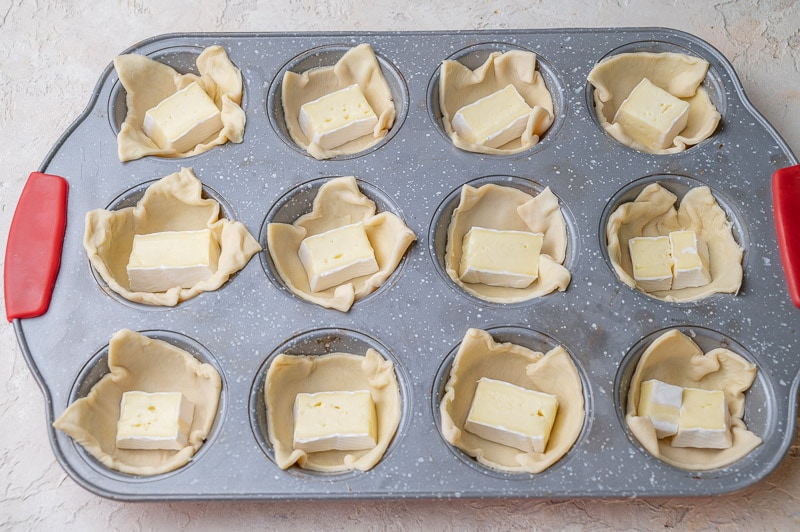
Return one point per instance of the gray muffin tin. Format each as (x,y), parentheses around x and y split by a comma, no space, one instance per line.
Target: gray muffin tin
(419,317)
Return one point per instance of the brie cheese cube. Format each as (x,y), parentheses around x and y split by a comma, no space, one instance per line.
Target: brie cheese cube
(337,118)
(500,258)
(690,260)
(651,258)
(337,256)
(652,116)
(661,402)
(183,120)
(160,261)
(704,421)
(160,420)
(342,421)
(511,415)
(494,120)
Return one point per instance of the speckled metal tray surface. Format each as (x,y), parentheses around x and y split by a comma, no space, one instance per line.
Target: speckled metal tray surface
(419,317)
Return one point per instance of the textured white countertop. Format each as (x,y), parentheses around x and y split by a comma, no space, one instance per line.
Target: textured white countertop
(52,56)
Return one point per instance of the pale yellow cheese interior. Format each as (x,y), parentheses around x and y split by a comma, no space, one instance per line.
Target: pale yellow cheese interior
(493,120)
(160,261)
(500,257)
(512,415)
(159,420)
(183,120)
(690,260)
(652,116)
(340,420)
(337,256)
(651,260)
(661,402)
(337,118)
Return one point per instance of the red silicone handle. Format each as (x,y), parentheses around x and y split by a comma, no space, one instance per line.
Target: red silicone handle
(786,201)
(33,253)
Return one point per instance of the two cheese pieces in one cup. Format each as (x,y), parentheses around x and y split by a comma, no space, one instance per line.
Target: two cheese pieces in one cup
(500,257)
(510,415)
(160,420)
(493,120)
(692,416)
(672,262)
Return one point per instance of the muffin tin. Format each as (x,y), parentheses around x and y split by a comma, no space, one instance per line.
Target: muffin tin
(418,318)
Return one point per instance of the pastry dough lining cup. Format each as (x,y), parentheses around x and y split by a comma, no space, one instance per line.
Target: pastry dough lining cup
(327,56)
(322,342)
(679,185)
(437,233)
(130,198)
(713,84)
(183,60)
(97,367)
(760,411)
(473,57)
(533,340)
(297,202)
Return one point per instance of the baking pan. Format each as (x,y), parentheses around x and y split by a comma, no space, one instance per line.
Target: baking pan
(418,318)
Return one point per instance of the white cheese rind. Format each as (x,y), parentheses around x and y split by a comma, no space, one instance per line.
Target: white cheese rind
(705,421)
(493,120)
(183,120)
(160,420)
(661,402)
(690,260)
(500,258)
(652,116)
(337,256)
(339,420)
(160,261)
(510,415)
(651,258)
(337,118)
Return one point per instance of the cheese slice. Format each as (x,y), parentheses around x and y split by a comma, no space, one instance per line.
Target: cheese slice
(500,258)
(704,421)
(651,258)
(337,256)
(160,261)
(160,420)
(652,116)
(661,402)
(342,421)
(184,120)
(493,120)
(690,260)
(337,118)
(510,415)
